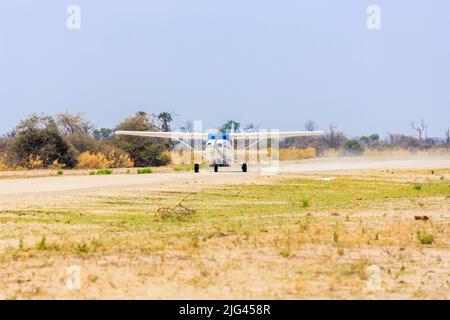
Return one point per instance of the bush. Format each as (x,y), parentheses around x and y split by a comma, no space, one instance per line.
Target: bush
(83,142)
(119,159)
(425,238)
(352,148)
(38,142)
(60,172)
(305,203)
(143,151)
(42,244)
(35,162)
(144,171)
(56,165)
(101,172)
(3,164)
(87,160)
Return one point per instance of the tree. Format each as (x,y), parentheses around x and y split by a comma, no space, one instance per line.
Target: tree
(78,132)
(141,113)
(164,119)
(310,125)
(333,138)
(352,148)
(38,137)
(102,133)
(143,151)
(420,128)
(230,125)
(251,127)
(447,137)
(187,127)
(3,143)
(373,138)
(73,123)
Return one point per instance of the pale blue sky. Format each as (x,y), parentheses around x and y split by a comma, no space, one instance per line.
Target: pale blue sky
(274,63)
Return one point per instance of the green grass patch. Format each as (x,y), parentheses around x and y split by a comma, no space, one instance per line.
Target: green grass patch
(101,172)
(144,171)
(425,238)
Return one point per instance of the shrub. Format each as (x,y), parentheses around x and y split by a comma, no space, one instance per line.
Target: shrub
(143,151)
(42,244)
(59,172)
(83,142)
(144,170)
(81,248)
(425,238)
(119,159)
(352,148)
(3,165)
(56,165)
(305,203)
(38,137)
(87,160)
(297,153)
(35,162)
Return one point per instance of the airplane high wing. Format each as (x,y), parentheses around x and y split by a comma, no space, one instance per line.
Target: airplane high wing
(166,135)
(219,146)
(273,134)
(231,135)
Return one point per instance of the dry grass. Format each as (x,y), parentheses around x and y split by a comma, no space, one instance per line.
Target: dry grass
(87,160)
(284,237)
(3,165)
(297,153)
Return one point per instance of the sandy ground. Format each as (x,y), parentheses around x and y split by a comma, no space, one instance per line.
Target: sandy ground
(149,276)
(226,176)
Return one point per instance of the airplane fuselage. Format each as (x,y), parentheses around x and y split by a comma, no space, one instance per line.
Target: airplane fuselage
(219,152)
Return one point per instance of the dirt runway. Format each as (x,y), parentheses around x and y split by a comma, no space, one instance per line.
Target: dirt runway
(226,176)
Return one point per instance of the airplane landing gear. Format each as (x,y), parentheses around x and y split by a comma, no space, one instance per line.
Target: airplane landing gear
(196,168)
(216,168)
(244,167)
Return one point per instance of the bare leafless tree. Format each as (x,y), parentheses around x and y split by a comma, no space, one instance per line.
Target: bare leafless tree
(73,123)
(420,128)
(332,129)
(333,138)
(310,125)
(447,137)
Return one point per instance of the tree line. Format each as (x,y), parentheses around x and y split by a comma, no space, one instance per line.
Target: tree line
(337,140)
(68,140)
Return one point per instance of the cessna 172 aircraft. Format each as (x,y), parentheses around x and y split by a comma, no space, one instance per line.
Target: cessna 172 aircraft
(219,146)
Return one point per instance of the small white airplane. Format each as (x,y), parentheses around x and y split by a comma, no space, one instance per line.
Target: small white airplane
(219,146)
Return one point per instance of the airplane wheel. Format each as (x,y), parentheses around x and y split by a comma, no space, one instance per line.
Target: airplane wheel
(216,168)
(196,168)
(244,167)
